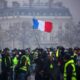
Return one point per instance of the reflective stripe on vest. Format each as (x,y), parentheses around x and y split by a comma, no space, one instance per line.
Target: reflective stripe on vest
(73,71)
(28,59)
(0,60)
(51,66)
(57,53)
(24,68)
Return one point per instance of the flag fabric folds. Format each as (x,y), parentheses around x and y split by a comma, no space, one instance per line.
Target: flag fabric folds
(45,26)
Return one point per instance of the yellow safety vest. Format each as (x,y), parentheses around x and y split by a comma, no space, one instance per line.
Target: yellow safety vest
(28,59)
(51,66)
(73,71)
(0,60)
(15,61)
(25,66)
(57,53)
(6,60)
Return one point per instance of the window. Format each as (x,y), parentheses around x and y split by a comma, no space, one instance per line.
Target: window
(15,4)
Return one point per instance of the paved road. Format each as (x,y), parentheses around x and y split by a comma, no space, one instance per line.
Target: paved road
(31,77)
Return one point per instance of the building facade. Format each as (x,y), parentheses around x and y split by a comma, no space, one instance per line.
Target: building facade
(16,26)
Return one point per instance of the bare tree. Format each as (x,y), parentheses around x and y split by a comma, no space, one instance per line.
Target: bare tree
(69,35)
(13,33)
(26,36)
(76,31)
(22,35)
(3,38)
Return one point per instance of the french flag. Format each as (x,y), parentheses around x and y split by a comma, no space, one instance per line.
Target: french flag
(45,26)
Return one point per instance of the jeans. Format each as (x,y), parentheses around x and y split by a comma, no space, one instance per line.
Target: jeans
(23,76)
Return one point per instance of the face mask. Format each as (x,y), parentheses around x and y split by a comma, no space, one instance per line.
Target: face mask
(20,53)
(17,55)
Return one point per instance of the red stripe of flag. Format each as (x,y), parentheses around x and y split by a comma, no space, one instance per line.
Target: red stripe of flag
(48,26)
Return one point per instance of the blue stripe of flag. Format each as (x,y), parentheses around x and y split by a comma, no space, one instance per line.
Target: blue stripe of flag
(35,24)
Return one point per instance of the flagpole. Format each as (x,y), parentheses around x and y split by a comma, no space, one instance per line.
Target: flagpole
(42,26)
(36,38)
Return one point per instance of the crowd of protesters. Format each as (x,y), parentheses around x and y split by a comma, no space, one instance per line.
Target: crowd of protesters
(46,64)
